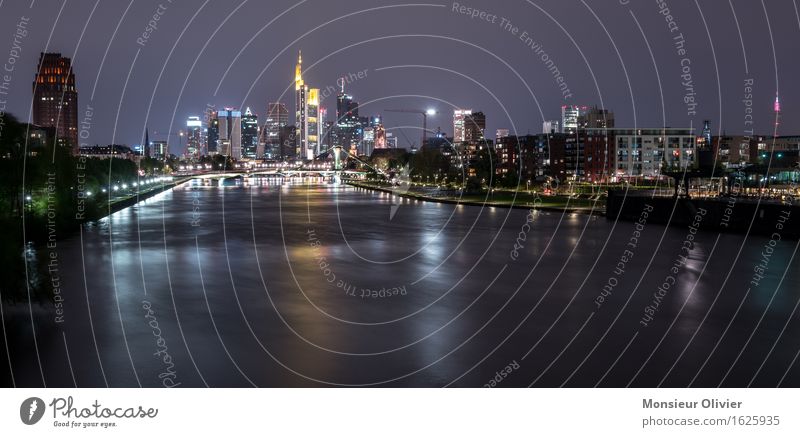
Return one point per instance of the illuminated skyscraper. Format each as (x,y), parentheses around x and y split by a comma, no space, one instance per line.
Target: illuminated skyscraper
(194,137)
(474,127)
(551,127)
(325,136)
(160,149)
(249,135)
(313,124)
(301,110)
(458,124)
(569,117)
(348,124)
(55,99)
(229,125)
(707,133)
(376,123)
(468,126)
(277,118)
(212,134)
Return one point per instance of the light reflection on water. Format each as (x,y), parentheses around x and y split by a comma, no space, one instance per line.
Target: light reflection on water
(265,285)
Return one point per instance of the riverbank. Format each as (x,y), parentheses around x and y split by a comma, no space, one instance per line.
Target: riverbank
(725,214)
(498,198)
(133,199)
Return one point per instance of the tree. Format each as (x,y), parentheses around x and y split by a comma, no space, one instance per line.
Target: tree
(484,165)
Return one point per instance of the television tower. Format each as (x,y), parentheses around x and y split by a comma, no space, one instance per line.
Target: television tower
(777,109)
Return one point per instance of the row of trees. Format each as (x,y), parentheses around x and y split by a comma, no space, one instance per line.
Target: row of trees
(40,193)
(431,165)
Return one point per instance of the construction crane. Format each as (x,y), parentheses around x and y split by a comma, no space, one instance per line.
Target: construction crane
(424,114)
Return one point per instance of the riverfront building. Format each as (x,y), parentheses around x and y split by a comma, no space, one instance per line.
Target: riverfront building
(55,99)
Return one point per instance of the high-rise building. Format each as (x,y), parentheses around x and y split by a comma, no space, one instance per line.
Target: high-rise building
(706,140)
(287,139)
(551,127)
(223,140)
(301,110)
(596,118)
(160,149)
(348,123)
(373,135)
(328,134)
(468,136)
(379,131)
(229,142)
(458,124)
(313,123)
(277,118)
(474,127)
(501,133)
(324,130)
(569,117)
(249,135)
(367,141)
(55,98)
(212,134)
(194,137)
(308,123)
(391,141)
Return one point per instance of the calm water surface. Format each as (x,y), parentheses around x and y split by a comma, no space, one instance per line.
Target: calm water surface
(263,283)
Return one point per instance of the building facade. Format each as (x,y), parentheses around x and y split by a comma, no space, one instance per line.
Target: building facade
(651,152)
(569,117)
(314,124)
(159,149)
(595,118)
(55,99)
(195,137)
(229,127)
(551,126)
(348,123)
(474,127)
(249,135)
(459,118)
(277,119)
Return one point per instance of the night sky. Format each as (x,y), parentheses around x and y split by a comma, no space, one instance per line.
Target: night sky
(621,57)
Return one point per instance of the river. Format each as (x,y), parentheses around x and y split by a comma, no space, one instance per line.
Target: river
(265,283)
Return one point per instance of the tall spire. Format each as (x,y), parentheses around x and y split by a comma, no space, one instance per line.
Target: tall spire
(298,71)
(146,143)
(342,84)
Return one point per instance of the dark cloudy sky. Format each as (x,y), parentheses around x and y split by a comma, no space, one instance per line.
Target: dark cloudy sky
(242,53)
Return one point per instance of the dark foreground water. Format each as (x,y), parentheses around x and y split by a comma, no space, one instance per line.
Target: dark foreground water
(264,284)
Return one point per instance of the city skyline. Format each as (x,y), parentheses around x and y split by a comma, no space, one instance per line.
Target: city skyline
(292,194)
(523,111)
